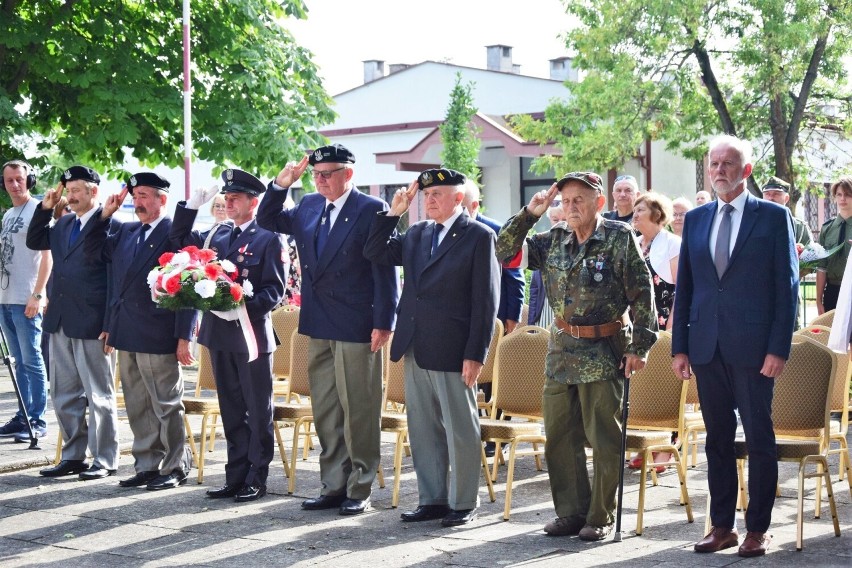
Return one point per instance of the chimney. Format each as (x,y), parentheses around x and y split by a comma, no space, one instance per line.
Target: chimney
(562,70)
(500,58)
(373,69)
(396,67)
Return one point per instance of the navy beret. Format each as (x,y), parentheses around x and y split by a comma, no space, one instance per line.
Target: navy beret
(84,173)
(590,179)
(148,179)
(440,176)
(777,184)
(334,154)
(238,181)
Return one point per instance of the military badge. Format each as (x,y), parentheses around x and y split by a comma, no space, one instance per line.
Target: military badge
(426,179)
(229,176)
(133,180)
(67,174)
(318,155)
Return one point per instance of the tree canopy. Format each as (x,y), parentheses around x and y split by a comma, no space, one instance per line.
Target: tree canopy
(458,132)
(84,81)
(770,71)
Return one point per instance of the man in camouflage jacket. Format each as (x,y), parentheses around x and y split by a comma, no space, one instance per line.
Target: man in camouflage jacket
(593,272)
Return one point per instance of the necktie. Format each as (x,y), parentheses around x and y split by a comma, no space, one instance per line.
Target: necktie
(75,232)
(324,228)
(141,241)
(723,241)
(438,228)
(235,234)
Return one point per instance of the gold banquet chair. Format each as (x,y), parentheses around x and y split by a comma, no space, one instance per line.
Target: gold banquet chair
(206,406)
(486,375)
(299,415)
(825,319)
(839,397)
(518,383)
(801,417)
(394,419)
(657,402)
(284,320)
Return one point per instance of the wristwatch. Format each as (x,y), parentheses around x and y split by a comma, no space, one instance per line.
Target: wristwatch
(37,296)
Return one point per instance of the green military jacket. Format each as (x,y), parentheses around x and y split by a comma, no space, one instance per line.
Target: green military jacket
(596,285)
(829,237)
(802,232)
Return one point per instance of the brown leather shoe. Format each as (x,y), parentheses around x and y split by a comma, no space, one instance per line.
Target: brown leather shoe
(565,526)
(717,539)
(755,544)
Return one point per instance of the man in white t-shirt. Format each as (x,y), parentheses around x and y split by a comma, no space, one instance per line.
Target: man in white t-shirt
(23,277)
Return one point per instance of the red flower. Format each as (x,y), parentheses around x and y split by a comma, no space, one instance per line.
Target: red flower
(192,251)
(236,292)
(206,255)
(173,285)
(212,271)
(165,258)
(799,248)
(160,281)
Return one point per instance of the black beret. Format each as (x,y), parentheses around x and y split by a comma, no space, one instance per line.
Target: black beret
(334,154)
(84,173)
(776,184)
(148,179)
(590,179)
(238,181)
(440,176)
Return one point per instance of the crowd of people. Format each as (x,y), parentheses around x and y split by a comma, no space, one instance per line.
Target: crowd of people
(722,277)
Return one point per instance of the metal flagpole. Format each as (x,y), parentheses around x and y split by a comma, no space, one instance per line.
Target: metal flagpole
(187,102)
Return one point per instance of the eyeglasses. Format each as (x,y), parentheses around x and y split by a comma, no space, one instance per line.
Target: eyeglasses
(678,215)
(327,174)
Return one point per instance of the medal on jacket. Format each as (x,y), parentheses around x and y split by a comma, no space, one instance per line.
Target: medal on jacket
(599,266)
(585,276)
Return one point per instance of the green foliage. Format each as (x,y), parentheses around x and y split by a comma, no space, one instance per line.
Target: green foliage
(458,132)
(87,80)
(683,71)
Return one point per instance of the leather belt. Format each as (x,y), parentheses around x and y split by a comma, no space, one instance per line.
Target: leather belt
(592,331)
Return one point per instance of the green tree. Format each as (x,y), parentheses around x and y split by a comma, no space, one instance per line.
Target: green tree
(765,70)
(459,134)
(89,80)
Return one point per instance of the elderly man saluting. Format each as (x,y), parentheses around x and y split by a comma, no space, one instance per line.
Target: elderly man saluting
(593,272)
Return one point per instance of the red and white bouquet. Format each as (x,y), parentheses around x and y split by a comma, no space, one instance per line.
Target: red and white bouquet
(811,255)
(193,279)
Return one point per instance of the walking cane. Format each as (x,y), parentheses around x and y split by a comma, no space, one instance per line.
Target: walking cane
(10,364)
(624,408)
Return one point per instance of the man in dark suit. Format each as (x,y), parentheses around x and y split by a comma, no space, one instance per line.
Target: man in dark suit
(152,342)
(348,312)
(446,320)
(81,373)
(736,299)
(243,380)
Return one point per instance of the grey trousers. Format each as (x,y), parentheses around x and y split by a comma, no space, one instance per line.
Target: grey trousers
(82,375)
(443,428)
(346,397)
(153,389)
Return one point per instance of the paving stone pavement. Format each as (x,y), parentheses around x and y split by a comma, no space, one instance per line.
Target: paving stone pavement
(64,521)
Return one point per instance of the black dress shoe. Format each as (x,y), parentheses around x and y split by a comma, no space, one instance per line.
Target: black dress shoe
(456,518)
(65,467)
(250,493)
(140,479)
(170,481)
(224,491)
(425,513)
(323,502)
(354,506)
(96,472)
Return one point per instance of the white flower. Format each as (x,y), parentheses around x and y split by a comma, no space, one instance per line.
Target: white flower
(248,289)
(228,266)
(205,288)
(813,252)
(152,278)
(180,259)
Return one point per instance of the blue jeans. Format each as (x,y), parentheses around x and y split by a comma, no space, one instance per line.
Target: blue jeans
(23,336)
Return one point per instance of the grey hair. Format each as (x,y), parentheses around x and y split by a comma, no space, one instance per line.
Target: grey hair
(743,147)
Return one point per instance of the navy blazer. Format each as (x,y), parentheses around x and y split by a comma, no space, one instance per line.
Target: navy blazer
(512,283)
(135,323)
(259,256)
(751,310)
(537,296)
(344,296)
(79,280)
(449,299)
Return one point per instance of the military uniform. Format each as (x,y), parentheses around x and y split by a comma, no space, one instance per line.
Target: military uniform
(587,284)
(802,232)
(833,266)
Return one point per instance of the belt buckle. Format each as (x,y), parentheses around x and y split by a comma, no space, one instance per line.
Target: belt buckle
(571,328)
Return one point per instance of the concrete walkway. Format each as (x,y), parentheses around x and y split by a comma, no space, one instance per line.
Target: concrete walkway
(97,523)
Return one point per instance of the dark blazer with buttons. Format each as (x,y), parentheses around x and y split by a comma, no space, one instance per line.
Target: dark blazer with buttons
(449,299)
(344,296)
(258,255)
(79,286)
(135,323)
(750,311)
(512,283)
